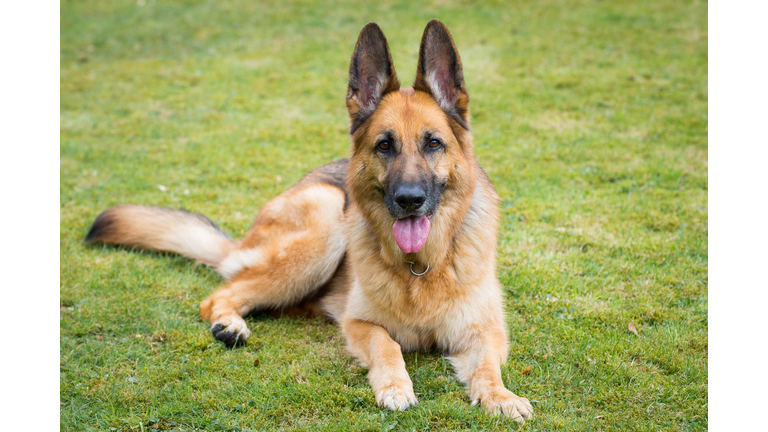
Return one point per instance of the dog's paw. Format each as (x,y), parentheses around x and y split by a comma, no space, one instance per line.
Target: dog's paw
(397,397)
(504,402)
(231,330)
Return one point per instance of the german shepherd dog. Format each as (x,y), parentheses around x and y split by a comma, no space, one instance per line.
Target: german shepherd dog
(397,244)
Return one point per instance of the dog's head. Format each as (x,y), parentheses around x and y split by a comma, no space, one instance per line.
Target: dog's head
(412,161)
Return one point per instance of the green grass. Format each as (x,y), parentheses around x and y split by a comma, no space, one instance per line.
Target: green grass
(589,117)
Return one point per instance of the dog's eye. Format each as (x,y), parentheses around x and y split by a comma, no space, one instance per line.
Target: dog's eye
(383,146)
(434,143)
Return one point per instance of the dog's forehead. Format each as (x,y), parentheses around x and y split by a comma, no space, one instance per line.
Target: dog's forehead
(410,114)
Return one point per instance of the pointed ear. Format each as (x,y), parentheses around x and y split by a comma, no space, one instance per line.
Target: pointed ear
(371,75)
(439,72)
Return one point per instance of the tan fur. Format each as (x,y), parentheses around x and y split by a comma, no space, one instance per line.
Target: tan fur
(161,229)
(300,243)
(327,246)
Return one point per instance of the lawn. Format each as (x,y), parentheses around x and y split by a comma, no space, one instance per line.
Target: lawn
(589,117)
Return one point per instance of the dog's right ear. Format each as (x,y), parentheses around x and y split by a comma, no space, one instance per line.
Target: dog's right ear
(371,75)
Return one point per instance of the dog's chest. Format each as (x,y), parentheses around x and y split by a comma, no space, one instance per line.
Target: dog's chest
(413,309)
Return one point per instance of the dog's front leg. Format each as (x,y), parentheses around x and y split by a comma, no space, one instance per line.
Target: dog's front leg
(373,346)
(479,368)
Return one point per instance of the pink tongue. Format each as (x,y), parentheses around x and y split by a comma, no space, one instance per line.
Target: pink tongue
(411,233)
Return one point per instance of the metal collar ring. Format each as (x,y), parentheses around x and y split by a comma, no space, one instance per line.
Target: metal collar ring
(417,274)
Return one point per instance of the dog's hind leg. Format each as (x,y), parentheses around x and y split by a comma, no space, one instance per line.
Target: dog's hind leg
(293,248)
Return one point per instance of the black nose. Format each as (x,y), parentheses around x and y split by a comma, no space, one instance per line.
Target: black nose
(410,196)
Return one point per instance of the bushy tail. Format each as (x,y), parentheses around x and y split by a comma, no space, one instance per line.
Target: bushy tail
(189,234)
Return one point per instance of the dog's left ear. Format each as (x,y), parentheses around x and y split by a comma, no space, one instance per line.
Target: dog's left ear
(439,72)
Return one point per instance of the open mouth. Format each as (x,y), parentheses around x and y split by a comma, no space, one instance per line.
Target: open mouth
(411,232)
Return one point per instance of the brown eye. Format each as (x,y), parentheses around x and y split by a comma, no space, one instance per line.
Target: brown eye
(434,143)
(384,145)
